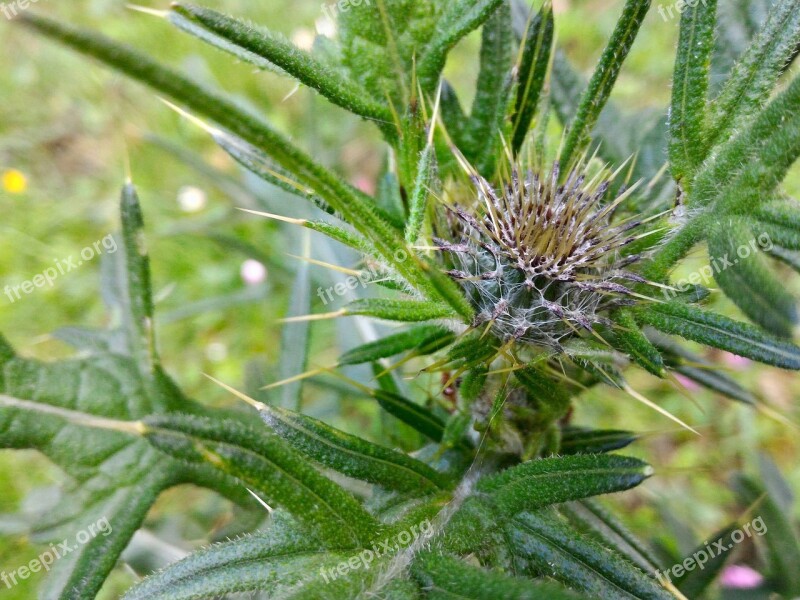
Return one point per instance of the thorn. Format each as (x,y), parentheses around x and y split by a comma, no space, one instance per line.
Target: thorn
(657,408)
(148,11)
(291,93)
(320,263)
(260,501)
(294,378)
(259,213)
(252,402)
(318,317)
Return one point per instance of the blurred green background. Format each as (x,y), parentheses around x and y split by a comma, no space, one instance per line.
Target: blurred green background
(69,127)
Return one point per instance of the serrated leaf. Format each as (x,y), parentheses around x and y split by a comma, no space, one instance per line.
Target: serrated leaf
(779,224)
(720,332)
(539,483)
(756,160)
(472,349)
(423,340)
(533,67)
(755,74)
(280,475)
(550,546)
(688,142)
(110,474)
(277,558)
(628,338)
(453,114)
(603,80)
(749,281)
(380,44)
(447,577)
(399,310)
(352,455)
(418,417)
(482,129)
(290,59)
(459,18)
(594,520)
(426,172)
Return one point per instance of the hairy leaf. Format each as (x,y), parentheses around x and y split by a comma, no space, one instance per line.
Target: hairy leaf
(603,80)
(688,141)
(352,455)
(720,332)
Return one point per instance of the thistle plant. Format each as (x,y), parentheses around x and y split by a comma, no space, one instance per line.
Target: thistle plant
(520,268)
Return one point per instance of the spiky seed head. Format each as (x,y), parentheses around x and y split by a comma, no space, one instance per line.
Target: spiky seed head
(538,259)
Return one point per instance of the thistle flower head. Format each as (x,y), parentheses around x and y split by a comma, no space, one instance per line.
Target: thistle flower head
(541,260)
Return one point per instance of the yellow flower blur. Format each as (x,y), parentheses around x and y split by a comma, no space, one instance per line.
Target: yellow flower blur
(14,182)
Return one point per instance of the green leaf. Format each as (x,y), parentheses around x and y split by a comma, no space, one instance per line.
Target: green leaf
(781,541)
(539,483)
(749,281)
(424,339)
(398,310)
(265,464)
(482,130)
(688,140)
(700,371)
(595,521)
(472,349)
(548,545)
(380,44)
(352,455)
(139,288)
(285,55)
(418,417)
(628,338)
(426,173)
(720,332)
(756,160)
(533,68)
(460,18)
(278,558)
(754,76)
(453,114)
(580,440)
(779,224)
(617,135)
(447,577)
(52,407)
(603,80)
(550,399)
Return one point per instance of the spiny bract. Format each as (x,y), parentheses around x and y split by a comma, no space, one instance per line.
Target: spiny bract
(541,260)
